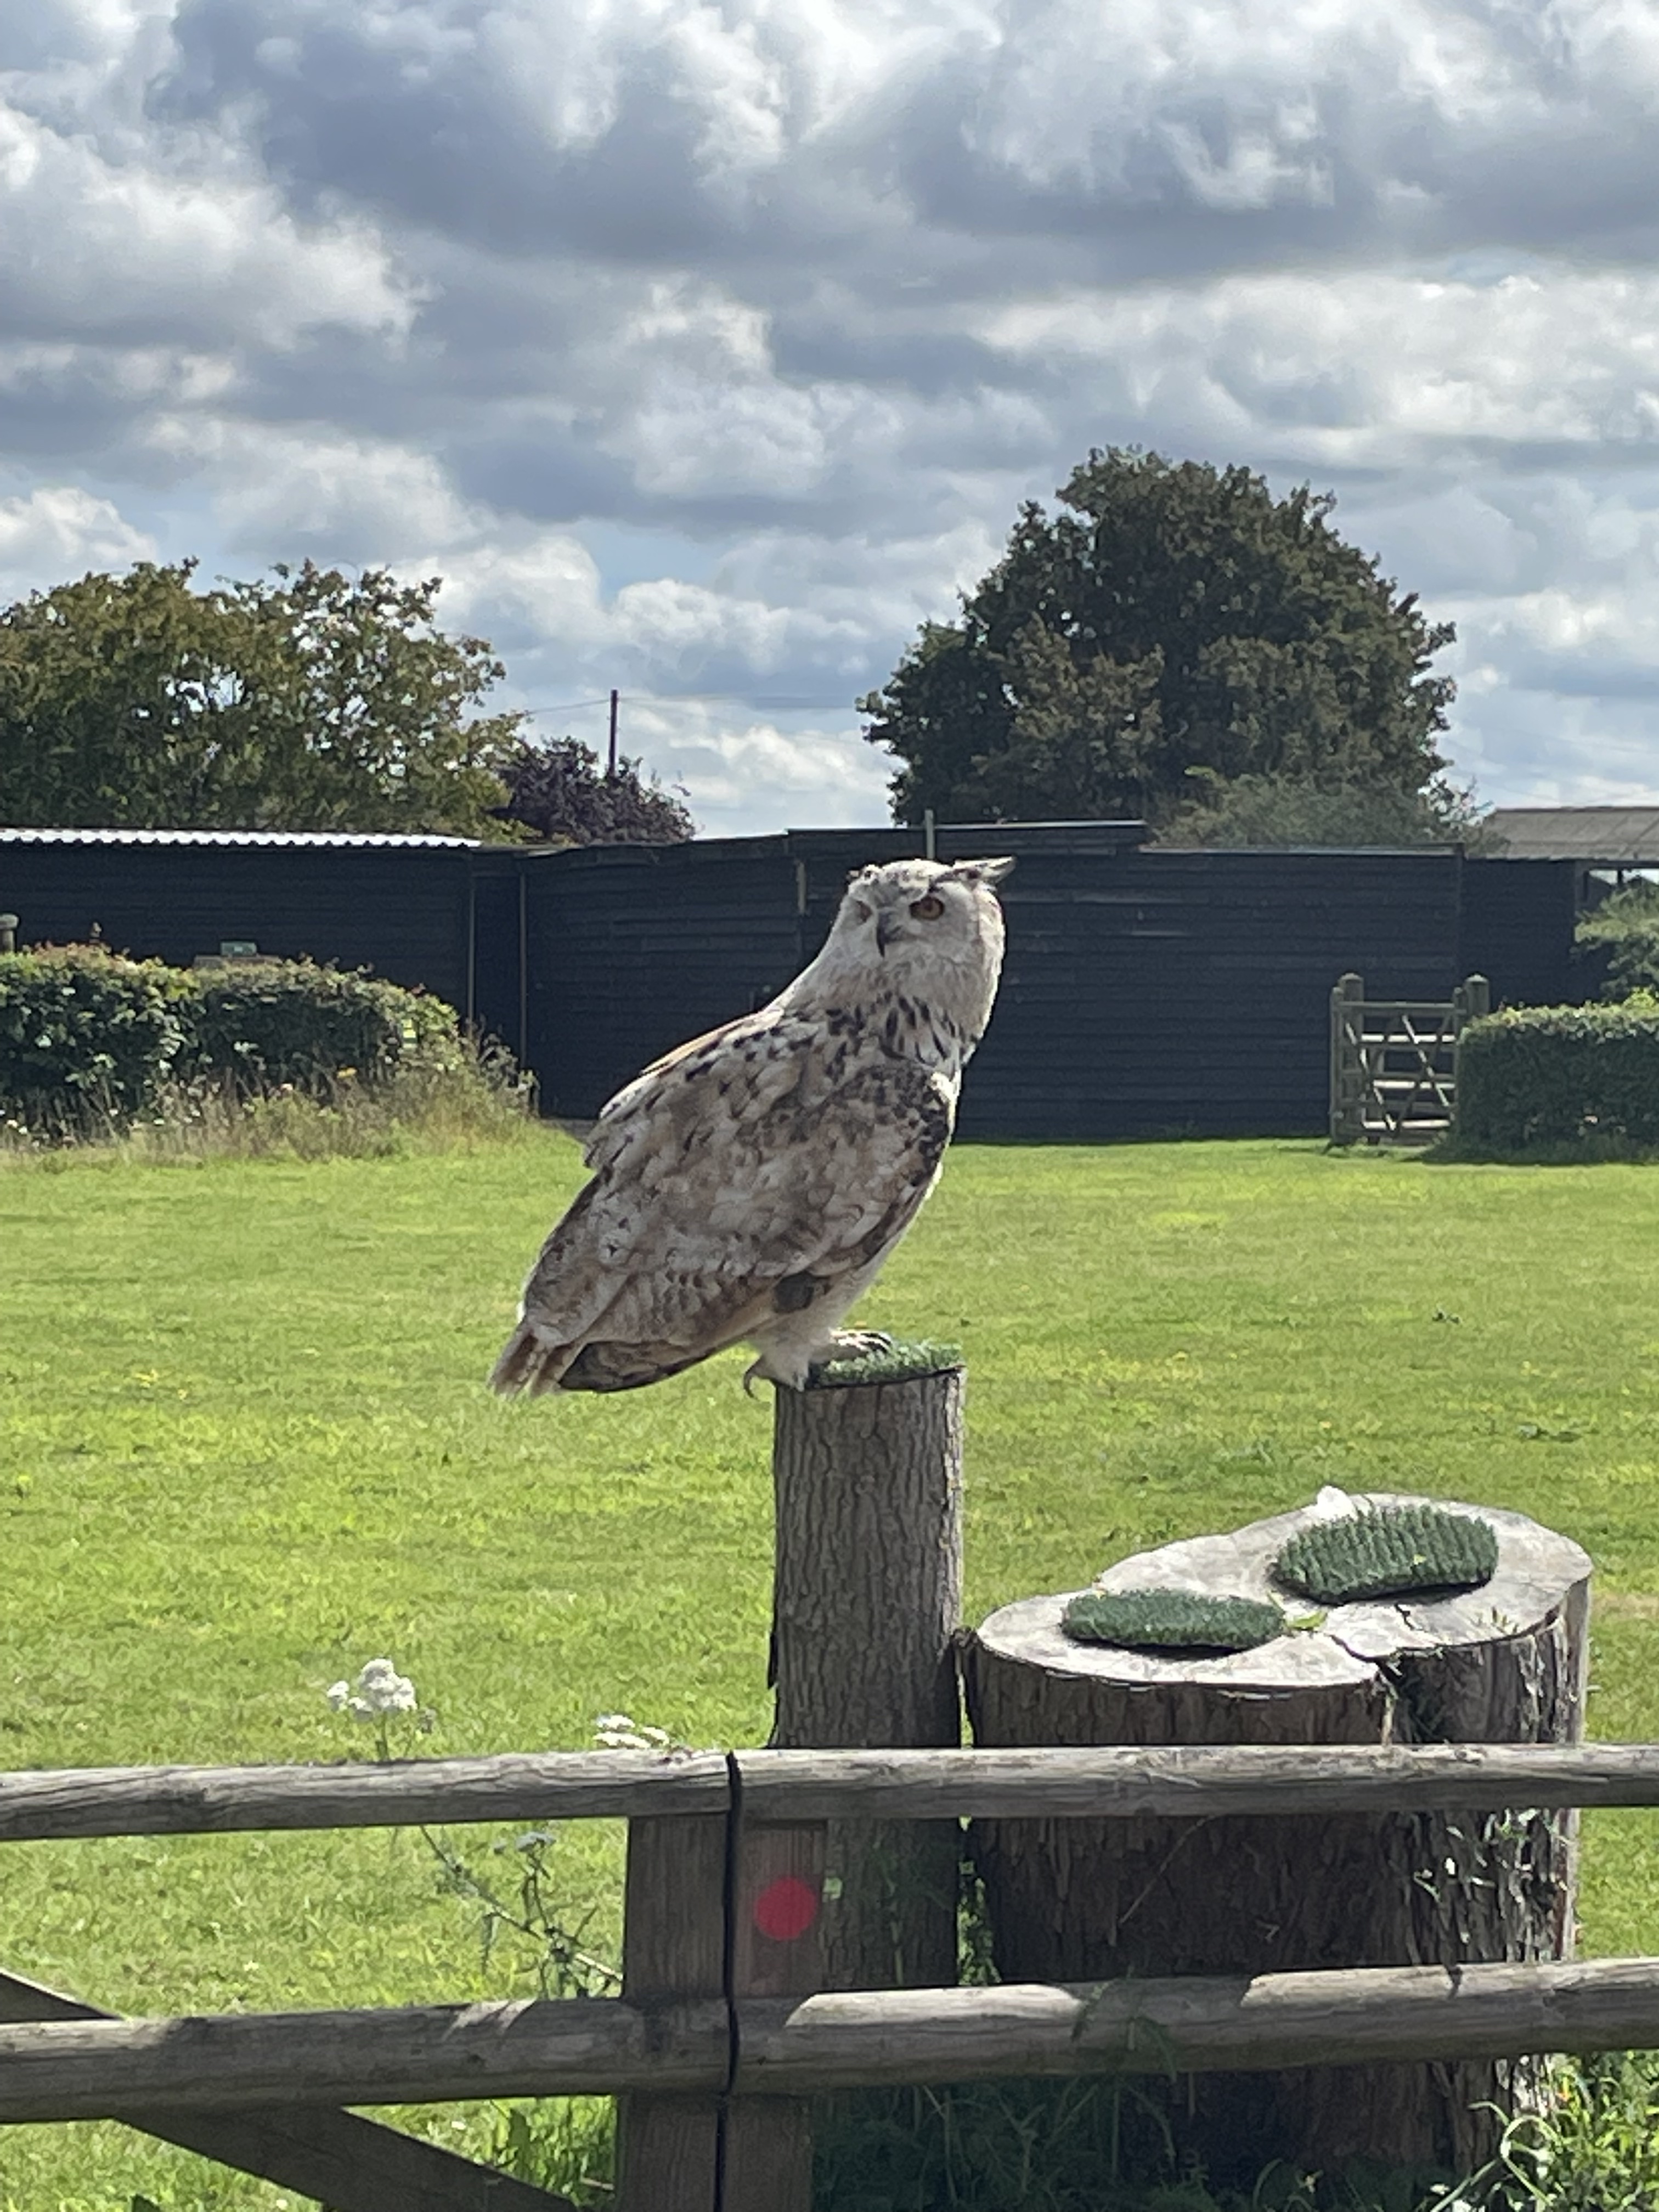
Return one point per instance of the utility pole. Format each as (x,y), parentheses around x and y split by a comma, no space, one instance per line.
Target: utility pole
(610,771)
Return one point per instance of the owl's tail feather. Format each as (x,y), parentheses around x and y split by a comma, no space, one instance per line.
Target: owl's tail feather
(533,1363)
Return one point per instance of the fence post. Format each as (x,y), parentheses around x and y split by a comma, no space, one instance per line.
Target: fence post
(777,1951)
(1347,1071)
(674,1945)
(1470,1001)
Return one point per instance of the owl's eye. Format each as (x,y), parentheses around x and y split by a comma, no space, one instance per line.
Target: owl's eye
(861,910)
(928,908)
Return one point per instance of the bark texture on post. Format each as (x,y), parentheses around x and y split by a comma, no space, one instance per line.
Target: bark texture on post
(1081,1900)
(868,1596)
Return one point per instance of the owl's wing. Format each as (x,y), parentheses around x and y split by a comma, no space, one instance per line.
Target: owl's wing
(751,1160)
(752,1063)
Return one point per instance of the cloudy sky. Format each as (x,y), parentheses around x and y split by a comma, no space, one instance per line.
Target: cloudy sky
(707,350)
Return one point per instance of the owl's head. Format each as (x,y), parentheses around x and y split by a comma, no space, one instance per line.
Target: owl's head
(927,930)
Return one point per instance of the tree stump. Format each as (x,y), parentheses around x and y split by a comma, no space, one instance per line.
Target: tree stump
(868,1594)
(1082,1900)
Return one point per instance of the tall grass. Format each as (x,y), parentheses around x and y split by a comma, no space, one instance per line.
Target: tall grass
(1594,2145)
(477,1096)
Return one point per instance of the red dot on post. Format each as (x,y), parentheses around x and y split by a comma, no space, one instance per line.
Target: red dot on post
(785,1908)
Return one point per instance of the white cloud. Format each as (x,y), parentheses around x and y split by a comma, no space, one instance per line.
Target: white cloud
(56,531)
(812,777)
(309,487)
(806,295)
(121,247)
(1368,367)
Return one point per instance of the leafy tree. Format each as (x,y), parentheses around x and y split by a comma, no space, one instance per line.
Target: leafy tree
(1280,810)
(1623,934)
(559,791)
(307,700)
(1174,618)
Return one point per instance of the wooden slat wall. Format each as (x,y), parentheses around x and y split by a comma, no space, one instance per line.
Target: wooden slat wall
(633,949)
(1161,994)
(1517,929)
(402,911)
(1145,993)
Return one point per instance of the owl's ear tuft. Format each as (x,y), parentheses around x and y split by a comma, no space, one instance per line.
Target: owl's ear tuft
(982,872)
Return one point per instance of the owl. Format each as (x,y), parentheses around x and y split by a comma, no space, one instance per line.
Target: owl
(747,1187)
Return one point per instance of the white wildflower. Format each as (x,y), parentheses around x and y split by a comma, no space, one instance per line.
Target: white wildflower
(619,1732)
(380,1689)
(622,1732)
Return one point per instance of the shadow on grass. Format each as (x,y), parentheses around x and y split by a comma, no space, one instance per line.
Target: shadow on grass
(1576,1152)
(1107,2145)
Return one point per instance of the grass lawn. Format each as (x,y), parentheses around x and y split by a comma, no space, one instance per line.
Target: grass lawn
(244,1446)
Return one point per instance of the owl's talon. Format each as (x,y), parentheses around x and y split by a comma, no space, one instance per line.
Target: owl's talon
(848,1344)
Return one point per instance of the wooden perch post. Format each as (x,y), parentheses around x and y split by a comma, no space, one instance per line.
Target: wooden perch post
(868,1596)
(868,1593)
(1081,1900)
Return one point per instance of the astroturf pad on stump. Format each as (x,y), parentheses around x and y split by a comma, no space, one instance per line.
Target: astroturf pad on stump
(893,1363)
(1381,1551)
(1153,1619)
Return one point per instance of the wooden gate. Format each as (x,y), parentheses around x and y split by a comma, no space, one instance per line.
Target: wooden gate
(1394,1061)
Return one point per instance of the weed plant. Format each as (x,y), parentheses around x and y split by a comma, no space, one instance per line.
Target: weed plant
(1594,2146)
(1104,2146)
(476,1096)
(1079,2146)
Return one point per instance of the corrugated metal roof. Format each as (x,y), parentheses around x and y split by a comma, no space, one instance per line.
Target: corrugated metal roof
(1600,837)
(300,837)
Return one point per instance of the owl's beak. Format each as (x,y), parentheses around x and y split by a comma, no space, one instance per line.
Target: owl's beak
(886,931)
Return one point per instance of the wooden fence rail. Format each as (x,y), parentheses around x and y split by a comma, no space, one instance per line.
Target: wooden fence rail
(338,2158)
(845,2039)
(723,2028)
(1094,1783)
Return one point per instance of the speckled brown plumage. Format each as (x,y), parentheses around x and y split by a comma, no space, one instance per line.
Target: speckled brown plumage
(748,1186)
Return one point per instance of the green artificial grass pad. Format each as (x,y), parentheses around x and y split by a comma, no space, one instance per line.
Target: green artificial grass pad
(894,1363)
(1383,1551)
(1167,1619)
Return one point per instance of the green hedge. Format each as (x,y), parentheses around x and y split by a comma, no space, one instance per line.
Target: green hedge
(1560,1078)
(85,1035)
(88,1037)
(289,1022)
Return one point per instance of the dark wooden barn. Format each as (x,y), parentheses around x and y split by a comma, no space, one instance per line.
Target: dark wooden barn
(1145,993)
(439,912)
